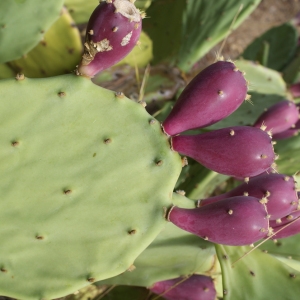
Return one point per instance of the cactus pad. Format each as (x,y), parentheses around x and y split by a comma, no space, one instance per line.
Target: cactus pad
(249,278)
(23,24)
(85,174)
(57,54)
(173,253)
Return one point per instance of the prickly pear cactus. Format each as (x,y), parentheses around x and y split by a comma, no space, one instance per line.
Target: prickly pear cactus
(86,174)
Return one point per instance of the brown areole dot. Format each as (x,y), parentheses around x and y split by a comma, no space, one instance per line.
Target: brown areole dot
(67,192)
(15,143)
(159,162)
(61,94)
(107,141)
(115,29)
(252,273)
(3,270)
(91,279)
(39,237)
(132,232)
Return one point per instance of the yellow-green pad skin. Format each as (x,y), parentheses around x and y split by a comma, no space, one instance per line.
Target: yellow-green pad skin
(172,254)
(261,79)
(23,24)
(85,177)
(256,276)
(58,53)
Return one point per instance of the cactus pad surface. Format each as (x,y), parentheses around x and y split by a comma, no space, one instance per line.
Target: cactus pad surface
(85,174)
(248,278)
(23,24)
(172,254)
(58,53)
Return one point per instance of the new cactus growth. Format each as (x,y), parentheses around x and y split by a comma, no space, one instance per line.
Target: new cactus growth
(279,117)
(237,151)
(195,287)
(113,30)
(236,221)
(278,191)
(211,96)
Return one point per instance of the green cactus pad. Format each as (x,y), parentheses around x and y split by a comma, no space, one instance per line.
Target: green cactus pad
(291,72)
(85,176)
(275,48)
(289,159)
(261,79)
(184,31)
(256,276)
(81,10)
(57,54)
(287,247)
(23,24)
(173,253)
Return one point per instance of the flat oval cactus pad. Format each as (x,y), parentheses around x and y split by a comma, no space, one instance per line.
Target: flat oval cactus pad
(85,175)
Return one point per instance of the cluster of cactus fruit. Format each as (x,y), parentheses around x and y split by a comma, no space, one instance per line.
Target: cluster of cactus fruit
(88,175)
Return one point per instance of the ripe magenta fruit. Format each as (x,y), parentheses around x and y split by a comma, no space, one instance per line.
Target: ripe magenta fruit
(112,31)
(278,191)
(234,221)
(212,95)
(196,287)
(239,151)
(279,117)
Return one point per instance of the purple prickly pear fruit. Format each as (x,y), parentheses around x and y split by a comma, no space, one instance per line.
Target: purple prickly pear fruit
(285,134)
(279,117)
(112,31)
(238,151)
(212,95)
(277,191)
(292,229)
(235,221)
(196,287)
(295,89)
(285,220)
(293,131)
